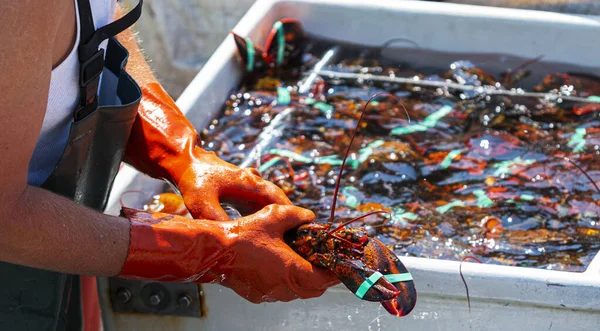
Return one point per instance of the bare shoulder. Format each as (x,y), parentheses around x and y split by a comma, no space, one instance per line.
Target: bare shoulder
(27,31)
(36,13)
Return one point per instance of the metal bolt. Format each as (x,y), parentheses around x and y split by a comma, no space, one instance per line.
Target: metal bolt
(154,299)
(185,301)
(124,295)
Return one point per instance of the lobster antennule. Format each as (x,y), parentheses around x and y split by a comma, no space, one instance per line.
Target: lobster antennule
(354,220)
(362,113)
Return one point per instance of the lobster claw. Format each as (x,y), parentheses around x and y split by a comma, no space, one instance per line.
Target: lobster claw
(381,258)
(352,273)
(286,42)
(253,56)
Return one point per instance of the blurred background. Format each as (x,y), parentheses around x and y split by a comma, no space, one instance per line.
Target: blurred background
(179,36)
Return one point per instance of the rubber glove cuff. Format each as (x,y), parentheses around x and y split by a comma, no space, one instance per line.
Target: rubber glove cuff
(170,248)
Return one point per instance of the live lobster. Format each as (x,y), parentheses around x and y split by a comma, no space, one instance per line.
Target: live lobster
(365,265)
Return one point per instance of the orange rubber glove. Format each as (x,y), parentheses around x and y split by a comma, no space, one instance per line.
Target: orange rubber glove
(164,144)
(247,255)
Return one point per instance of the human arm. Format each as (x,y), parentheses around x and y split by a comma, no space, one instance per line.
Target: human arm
(38,228)
(43,230)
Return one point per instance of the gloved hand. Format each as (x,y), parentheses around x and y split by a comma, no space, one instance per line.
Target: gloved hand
(163,144)
(247,254)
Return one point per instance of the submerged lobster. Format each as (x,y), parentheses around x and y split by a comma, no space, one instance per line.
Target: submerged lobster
(284,49)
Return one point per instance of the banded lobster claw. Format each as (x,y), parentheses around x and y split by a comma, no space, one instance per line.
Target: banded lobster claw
(378,276)
(364,265)
(395,272)
(284,47)
(254,58)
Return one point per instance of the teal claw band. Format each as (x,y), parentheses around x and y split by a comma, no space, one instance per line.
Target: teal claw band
(250,50)
(281,41)
(283,96)
(396,278)
(369,282)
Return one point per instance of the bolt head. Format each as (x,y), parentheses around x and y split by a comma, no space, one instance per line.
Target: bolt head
(124,295)
(185,301)
(154,299)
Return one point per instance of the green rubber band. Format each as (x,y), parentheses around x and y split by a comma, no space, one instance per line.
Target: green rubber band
(409,129)
(323,107)
(367,284)
(445,208)
(397,278)
(448,159)
(283,96)
(594,98)
(527,197)
(329,159)
(429,122)
(281,47)
(483,201)
(268,164)
(365,153)
(504,166)
(577,141)
(351,200)
(309,101)
(250,51)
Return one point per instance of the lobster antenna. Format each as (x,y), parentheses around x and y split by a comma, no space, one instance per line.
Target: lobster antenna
(463,278)
(356,219)
(584,172)
(521,66)
(337,184)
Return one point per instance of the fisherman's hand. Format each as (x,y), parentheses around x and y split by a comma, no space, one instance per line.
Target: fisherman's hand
(247,254)
(164,144)
(209,181)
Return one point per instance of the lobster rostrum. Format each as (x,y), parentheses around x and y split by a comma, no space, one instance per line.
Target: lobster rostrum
(363,264)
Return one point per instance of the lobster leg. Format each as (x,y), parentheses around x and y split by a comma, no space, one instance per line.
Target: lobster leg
(352,273)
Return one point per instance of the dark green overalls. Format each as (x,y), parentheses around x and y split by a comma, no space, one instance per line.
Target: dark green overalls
(33,299)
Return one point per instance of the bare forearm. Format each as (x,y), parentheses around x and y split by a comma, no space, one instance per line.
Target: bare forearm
(137,66)
(46,231)
(161,133)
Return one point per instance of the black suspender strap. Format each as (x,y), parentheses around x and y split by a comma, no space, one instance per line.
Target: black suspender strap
(91,59)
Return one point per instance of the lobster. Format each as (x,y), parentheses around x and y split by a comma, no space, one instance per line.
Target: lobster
(363,264)
(283,49)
